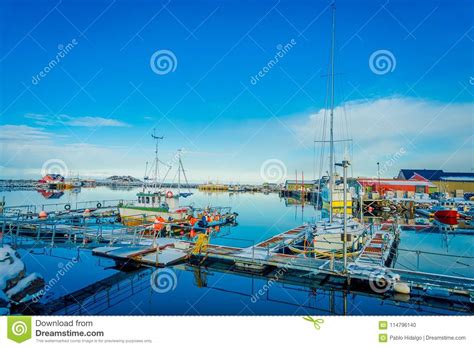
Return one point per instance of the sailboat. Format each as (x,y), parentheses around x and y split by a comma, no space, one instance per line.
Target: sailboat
(334,193)
(338,233)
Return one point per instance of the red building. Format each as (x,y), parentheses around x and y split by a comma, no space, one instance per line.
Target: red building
(416,184)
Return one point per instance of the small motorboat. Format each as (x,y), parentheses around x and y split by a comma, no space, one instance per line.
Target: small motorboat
(446,214)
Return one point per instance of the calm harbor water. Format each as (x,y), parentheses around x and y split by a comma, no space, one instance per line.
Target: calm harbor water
(194,291)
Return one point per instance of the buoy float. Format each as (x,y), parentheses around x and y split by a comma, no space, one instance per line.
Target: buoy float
(87,212)
(401,297)
(401,288)
(169,194)
(192,234)
(158,224)
(43,215)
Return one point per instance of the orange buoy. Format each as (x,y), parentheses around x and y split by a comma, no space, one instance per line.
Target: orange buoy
(192,234)
(158,224)
(87,212)
(43,215)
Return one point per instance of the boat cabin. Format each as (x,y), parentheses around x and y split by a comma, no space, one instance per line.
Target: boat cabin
(156,200)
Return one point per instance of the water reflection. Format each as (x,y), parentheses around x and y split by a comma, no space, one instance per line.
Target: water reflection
(219,290)
(51,194)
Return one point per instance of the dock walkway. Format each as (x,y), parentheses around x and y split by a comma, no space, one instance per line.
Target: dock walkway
(377,249)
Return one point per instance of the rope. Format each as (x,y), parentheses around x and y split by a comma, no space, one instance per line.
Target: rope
(201,244)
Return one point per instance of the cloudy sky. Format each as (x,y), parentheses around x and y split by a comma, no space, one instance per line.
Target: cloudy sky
(241,86)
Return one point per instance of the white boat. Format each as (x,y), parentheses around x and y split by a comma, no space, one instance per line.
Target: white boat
(335,198)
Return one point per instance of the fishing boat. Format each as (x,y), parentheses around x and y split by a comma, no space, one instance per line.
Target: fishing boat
(161,206)
(150,205)
(154,201)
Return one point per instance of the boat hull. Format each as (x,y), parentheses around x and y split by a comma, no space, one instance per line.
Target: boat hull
(446,214)
(133,216)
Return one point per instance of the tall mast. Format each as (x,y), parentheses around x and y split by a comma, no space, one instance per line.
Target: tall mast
(179,171)
(331,132)
(157,138)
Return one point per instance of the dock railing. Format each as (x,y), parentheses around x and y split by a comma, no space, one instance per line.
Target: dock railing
(65,206)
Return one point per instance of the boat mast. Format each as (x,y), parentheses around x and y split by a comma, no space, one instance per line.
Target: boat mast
(157,139)
(184,172)
(145,177)
(331,132)
(179,171)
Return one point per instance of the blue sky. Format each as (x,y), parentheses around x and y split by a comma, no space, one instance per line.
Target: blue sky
(95,108)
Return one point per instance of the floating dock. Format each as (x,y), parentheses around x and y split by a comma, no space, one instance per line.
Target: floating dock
(133,246)
(372,266)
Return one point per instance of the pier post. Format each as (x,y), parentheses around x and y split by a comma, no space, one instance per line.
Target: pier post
(53,235)
(344,164)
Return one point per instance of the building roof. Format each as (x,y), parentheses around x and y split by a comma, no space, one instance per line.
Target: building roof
(457,178)
(435,175)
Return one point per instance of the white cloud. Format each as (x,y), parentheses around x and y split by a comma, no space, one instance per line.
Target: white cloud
(11,132)
(432,134)
(66,120)
(397,132)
